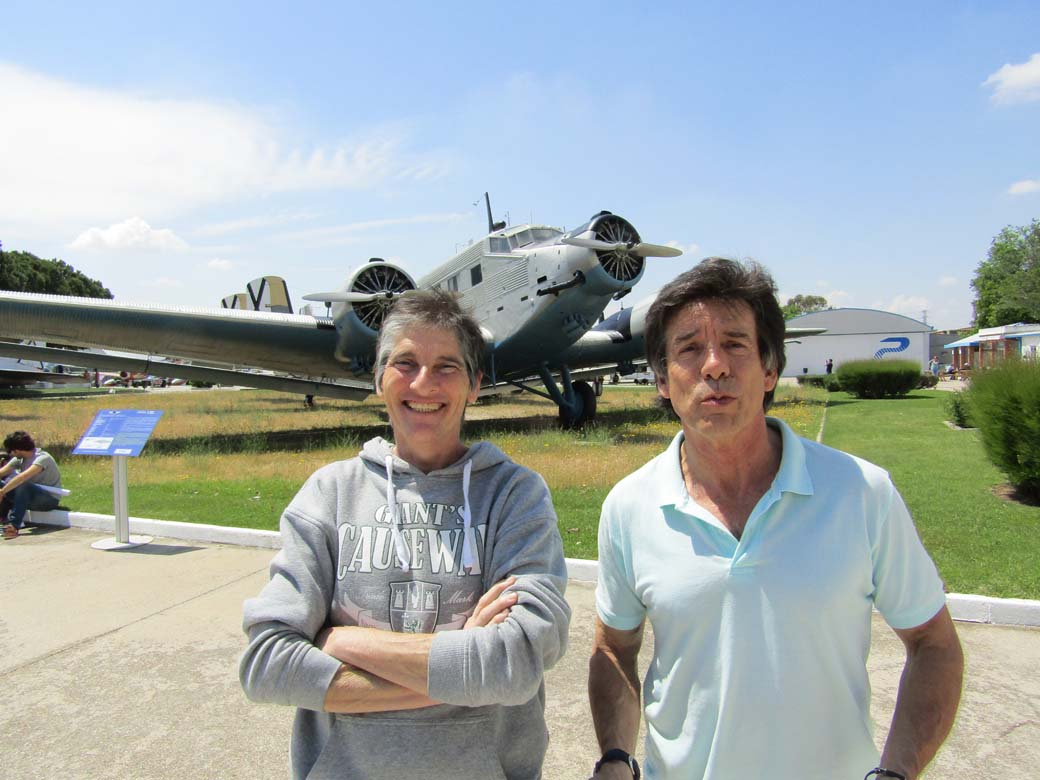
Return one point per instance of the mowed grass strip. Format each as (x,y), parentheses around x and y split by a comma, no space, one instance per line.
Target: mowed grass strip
(237,458)
(981,542)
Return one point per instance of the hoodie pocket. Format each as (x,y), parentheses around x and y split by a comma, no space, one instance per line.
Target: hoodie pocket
(374,748)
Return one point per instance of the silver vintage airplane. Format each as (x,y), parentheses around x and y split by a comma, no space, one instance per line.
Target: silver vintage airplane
(538,292)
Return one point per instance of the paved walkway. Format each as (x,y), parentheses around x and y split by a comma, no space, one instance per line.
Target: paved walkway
(124,665)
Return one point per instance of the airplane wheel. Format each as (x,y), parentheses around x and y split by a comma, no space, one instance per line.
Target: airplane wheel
(584,408)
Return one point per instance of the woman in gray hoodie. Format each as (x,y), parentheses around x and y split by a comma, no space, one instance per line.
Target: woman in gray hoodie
(418,596)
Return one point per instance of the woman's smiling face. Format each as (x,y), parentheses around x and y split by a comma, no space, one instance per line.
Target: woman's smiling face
(426,388)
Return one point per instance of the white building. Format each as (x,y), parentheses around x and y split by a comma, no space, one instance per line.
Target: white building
(856,334)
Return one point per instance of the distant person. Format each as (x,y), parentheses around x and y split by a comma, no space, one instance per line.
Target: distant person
(829,365)
(757,557)
(418,597)
(933,366)
(26,477)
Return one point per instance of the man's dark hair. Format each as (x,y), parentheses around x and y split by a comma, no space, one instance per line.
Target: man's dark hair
(728,281)
(19,440)
(430,309)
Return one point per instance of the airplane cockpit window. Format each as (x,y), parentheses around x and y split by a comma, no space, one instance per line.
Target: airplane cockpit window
(523,238)
(452,284)
(498,244)
(545,234)
(476,276)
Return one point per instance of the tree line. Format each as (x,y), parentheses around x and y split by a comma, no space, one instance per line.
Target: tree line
(25,272)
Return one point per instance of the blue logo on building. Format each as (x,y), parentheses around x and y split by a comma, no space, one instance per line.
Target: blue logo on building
(901,342)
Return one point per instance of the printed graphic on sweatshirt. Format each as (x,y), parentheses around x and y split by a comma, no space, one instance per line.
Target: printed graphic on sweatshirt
(414,606)
(436,593)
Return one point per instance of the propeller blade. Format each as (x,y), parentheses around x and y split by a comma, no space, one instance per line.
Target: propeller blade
(349,297)
(592,243)
(655,250)
(641,249)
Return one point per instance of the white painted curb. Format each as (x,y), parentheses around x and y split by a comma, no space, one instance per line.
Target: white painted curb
(968,608)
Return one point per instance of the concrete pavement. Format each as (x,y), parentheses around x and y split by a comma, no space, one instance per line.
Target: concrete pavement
(124,665)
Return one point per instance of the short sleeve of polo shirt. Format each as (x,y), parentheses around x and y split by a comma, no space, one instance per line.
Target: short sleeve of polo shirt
(617,603)
(907,588)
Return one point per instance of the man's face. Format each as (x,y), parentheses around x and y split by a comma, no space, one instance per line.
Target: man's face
(426,389)
(714,377)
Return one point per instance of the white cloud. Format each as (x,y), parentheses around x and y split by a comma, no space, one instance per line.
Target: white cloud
(907,305)
(345,234)
(220,265)
(1016,83)
(133,233)
(691,251)
(166,282)
(251,223)
(1024,187)
(87,154)
(948,281)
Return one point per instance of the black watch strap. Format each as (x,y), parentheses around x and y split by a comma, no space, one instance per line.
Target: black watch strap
(617,754)
(880,771)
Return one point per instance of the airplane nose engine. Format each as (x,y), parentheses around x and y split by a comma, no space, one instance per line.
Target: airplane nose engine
(371,290)
(619,263)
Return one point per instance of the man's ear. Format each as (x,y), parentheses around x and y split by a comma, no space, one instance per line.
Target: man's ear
(661,380)
(772,380)
(475,391)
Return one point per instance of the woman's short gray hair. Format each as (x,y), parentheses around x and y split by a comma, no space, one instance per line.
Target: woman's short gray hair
(431,309)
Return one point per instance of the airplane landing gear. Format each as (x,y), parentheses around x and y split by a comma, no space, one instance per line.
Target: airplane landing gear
(582,408)
(576,401)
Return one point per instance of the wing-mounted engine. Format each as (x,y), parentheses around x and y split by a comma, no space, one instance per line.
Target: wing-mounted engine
(359,310)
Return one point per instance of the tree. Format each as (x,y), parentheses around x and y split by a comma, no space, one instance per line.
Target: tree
(804,304)
(1007,282)
(25,272)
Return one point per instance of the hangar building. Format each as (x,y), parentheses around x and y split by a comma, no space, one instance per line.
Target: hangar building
(856,334)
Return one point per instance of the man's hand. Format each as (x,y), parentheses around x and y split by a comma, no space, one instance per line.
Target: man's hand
(493,607)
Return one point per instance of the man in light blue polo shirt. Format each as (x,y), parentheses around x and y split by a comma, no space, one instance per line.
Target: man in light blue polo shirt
(757,556)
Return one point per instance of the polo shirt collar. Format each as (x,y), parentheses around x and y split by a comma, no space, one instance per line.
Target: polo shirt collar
(792,476)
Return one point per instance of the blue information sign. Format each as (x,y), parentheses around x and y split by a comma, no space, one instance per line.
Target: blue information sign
(118,432)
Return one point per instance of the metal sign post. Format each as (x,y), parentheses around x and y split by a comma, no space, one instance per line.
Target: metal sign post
(120,433)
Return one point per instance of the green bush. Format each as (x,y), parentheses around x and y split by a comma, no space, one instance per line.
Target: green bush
(828,382)
(1005,404)
(928,380)
(958,409)
(879,378)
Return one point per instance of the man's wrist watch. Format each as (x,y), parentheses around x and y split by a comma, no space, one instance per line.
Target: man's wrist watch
(616,754)
(880,771)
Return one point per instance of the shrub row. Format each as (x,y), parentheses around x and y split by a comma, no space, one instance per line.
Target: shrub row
(828,382)
(959,410)
(879,378)
(1004,403)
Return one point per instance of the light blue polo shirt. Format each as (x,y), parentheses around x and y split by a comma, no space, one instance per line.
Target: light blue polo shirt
(760,645)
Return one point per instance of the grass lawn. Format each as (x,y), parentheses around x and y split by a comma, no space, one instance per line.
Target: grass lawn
(981,543)
(237,457)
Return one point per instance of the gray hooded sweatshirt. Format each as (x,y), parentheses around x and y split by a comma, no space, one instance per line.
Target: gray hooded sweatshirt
(373,541)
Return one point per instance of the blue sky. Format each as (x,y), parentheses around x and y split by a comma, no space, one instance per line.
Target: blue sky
(865,152)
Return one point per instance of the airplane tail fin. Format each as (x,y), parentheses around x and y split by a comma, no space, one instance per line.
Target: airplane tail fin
(268,293)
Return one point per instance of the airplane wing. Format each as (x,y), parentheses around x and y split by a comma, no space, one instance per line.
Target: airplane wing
(351,391)
(226,340)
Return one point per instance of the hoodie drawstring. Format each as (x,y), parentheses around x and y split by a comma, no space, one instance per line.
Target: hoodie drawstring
(469,560)
(395,517)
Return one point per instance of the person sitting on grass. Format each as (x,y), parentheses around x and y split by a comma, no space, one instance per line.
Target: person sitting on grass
(33,472)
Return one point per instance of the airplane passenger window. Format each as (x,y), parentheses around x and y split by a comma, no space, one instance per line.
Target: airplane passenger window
(476,276)
(452,284)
